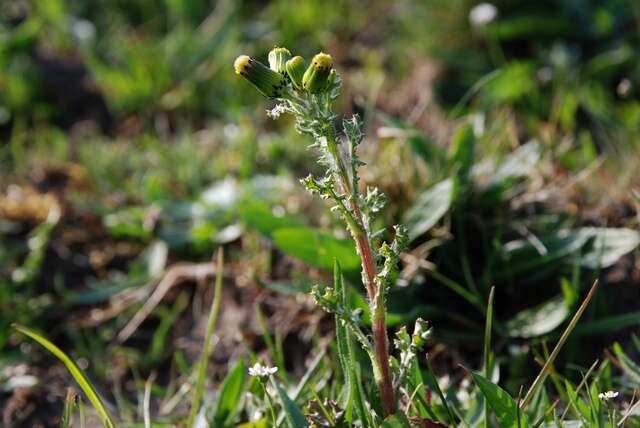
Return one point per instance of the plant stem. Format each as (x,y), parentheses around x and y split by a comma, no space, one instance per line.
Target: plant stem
(379,324)
(270,403)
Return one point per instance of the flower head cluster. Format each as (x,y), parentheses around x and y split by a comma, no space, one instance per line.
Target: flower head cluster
(286,73)
(258,370)
(307,92)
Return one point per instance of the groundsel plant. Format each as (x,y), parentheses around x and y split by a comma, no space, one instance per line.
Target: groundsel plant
(307,92)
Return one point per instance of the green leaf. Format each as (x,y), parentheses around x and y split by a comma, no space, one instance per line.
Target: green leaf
(262,423)
(70,403)
(608,245)
(514,83)
(354,395)
(522,256)
(608,324)
(399,420)
(630,368)
(517,164)
(576,401)
(590,247)
(316,248)
(198,391)
(260,216)
(429,208)
(531,25)
(230,396)
(538,320)
(128,223)
(505,407)
(75,371)
(293,415)
(463,146)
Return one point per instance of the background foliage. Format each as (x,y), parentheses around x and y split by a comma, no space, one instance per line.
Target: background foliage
(130,152)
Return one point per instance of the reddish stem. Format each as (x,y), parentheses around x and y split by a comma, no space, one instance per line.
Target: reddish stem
(380,340)
(379,324)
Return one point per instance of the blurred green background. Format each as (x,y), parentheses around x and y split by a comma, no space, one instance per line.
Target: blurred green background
(506,135)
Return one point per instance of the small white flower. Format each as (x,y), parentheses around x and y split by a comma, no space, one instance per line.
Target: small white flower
(482,14)
(83,30)
(444,382)
(624,87)
(544,75)
(606,396)
(259,370)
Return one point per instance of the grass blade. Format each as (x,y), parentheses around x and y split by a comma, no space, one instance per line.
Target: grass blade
(565,335)
(206,349)
(274,353)
(434,381)
(488,356)
(147,400)
(75,371)
(69,405)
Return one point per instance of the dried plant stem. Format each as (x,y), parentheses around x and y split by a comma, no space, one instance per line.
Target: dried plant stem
(539,380)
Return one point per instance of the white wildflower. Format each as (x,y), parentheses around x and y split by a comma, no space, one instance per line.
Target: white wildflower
(482,14)
(444,382)
(83,30)
(624,87)
(544,75)
(259,370)
(606,396)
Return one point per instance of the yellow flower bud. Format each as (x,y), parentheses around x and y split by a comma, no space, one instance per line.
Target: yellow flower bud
(278,57)
(316,77)
(267,81)
(296,67)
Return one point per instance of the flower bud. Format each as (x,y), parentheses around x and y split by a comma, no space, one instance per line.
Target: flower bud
(278,57)
(296,67)
(267,81)
(316,77)
(421,334)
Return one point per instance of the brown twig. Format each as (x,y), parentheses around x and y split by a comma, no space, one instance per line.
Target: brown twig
(175,275)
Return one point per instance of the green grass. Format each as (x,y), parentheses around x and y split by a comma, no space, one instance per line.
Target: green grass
(515,174)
